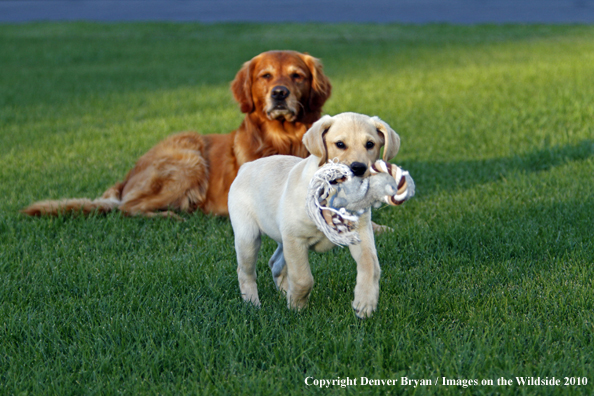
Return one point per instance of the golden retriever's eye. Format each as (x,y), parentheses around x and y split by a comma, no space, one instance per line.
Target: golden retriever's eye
(369,145)
(296,76)
(340,145)
(267,76)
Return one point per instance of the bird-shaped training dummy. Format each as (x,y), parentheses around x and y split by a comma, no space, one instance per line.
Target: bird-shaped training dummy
(336,198)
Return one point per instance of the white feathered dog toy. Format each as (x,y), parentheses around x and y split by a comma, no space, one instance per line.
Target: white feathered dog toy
(336,199)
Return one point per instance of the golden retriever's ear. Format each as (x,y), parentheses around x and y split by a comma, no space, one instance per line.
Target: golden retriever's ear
(314,138)
(320,85)
(391,138)
(242,88)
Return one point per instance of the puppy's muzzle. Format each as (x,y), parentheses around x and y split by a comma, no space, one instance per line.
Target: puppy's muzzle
(358,168)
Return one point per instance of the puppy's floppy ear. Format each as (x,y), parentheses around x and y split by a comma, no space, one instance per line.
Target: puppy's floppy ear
(242,87)
(391,138)
(320,85)
(314,138)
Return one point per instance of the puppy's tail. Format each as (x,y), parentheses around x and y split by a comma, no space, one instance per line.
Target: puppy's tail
(82,206)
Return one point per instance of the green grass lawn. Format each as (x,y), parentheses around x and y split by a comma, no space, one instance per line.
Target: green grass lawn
(489,272)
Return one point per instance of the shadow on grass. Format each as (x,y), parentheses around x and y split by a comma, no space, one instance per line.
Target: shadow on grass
(433,177)
(535,230)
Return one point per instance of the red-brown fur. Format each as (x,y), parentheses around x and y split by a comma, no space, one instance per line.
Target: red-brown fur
(189,171)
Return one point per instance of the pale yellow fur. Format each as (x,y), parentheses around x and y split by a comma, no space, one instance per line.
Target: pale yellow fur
(268,197)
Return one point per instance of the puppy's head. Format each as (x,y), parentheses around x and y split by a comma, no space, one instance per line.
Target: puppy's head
(352,139)
(282,85)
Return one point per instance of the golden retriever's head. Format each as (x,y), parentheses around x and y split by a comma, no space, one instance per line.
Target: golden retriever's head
(285,85)
(352,139)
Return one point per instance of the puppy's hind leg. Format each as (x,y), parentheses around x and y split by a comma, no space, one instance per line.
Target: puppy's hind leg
(247,246)
(278,266)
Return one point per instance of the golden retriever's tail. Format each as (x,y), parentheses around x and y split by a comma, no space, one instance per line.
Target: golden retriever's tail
(82,206)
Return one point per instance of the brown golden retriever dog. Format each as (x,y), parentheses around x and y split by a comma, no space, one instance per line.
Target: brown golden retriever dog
(281,92)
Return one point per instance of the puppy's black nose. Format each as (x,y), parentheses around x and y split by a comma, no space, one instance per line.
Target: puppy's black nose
(279,92)
(358,168)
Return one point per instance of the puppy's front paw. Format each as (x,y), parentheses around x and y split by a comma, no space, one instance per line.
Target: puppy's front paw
(249,293)
(298,292)
(364,310)
(297,298)
(252,299)
(296,303)
(365,303)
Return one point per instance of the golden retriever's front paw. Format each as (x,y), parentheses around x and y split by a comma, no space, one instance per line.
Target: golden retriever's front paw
(364,309)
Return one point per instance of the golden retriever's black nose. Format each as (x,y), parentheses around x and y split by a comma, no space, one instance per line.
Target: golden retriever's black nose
(279,93)
(358,168)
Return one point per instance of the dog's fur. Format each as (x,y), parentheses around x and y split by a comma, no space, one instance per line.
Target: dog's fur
(268,197)
(281,92)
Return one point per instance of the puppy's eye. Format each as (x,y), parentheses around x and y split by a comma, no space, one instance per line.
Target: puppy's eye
(369,145)
(267,76)
(340,145)
(296,76)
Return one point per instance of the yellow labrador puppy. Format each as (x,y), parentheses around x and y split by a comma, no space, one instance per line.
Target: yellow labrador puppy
(268,197)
